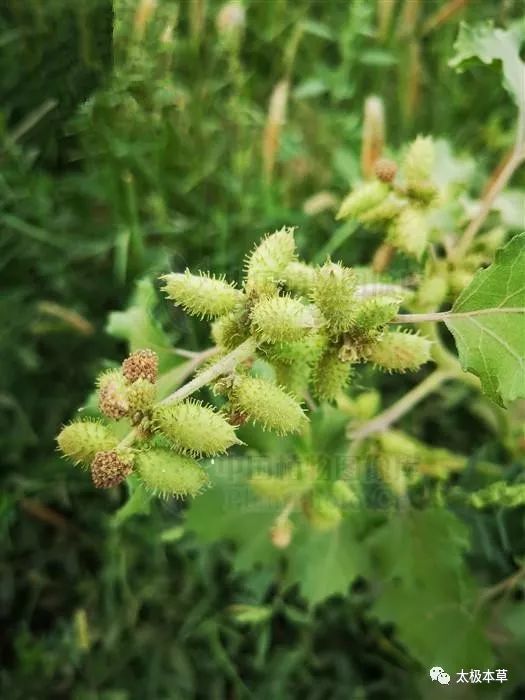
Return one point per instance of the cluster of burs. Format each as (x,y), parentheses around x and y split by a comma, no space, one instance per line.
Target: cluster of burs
(308,325)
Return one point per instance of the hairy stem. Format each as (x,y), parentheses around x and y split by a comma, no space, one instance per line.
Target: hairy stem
(384,420)
(444,315)
(497,185)
(223,366)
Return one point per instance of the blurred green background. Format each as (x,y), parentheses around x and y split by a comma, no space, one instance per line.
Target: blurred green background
(135,137)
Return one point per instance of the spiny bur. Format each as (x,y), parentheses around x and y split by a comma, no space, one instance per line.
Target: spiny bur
(330,375)
(109,468)
(201,295)
(267,263)
(298,480)
(112,394)
(362,198)
(293,377)
(431,293)
(82,439)
(282,319)
(230,330)
(376,312)
(334,294)
(194,428)
(398,351)
(299,277)
(141,364)
(419,160)
(409,232)
(268,405)
(141,396)
(385,212)
(167,473)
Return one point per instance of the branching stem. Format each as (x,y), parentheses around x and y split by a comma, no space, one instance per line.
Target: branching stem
(223,366)
(384,420)
(497,185)
(444,315)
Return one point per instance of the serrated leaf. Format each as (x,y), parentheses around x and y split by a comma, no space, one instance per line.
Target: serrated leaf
(325,563)
(488,324)
(230,510)
(492,44)
(426,590)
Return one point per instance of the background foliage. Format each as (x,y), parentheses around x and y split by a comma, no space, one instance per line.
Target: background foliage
(133,141)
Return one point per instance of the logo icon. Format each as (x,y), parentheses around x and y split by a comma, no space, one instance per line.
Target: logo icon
(438,674)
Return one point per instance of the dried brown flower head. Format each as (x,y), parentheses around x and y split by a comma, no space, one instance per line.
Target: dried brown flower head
(141,364)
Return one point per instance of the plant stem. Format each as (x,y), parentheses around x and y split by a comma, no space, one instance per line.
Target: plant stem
(223,366)
(406,403)
(498,184)
(444,315)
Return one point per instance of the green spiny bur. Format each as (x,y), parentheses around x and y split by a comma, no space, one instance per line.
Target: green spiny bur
(330,375)
(141,396)
(283,319)
(267,404)
(82,439)
(398,351)
(362,199)
(299,277)
(419,160)
(201,295)
(409,232)
(334,294)
(230,330)
(194,428)
(167,473)
(266,264)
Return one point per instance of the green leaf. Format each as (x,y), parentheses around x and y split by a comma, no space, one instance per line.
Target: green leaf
(425,588)
(138,326)
(325,563)
(230,510)
(488,324)
(492,44)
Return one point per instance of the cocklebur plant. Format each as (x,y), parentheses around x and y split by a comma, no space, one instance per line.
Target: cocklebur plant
(398,202)
(313,326)
(310,338)
(313,340)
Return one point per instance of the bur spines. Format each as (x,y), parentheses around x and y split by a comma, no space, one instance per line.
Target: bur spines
(330,375)
(361,199)
(418,162)
(195,429)
(267,262)
(167,473)
(140,396)
(201,295)
(409,231)
(334,295)
(282,319)
(82,439)
(267,404)
(299,277)
(398,351)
